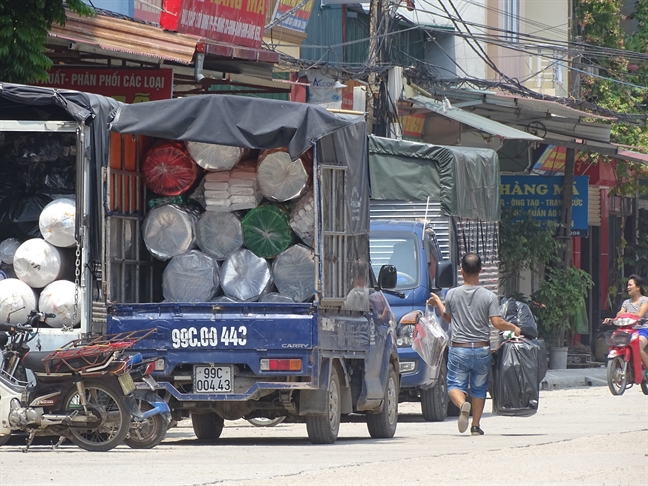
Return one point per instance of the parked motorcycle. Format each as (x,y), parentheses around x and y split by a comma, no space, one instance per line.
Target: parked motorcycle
(82,391)
(149,426)
(624,367)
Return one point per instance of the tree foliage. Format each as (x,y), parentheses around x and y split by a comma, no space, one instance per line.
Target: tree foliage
(24,25)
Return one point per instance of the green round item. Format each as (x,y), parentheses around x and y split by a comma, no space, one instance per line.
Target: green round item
(266,230)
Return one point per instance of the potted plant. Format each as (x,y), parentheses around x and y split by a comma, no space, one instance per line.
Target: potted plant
(557,301)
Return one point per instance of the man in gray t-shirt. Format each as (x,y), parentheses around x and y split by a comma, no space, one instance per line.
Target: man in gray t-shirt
(470,309)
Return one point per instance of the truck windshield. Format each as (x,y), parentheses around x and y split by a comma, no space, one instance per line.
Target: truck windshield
(399,251)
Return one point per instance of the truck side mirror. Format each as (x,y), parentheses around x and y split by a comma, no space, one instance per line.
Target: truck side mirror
(445,274)
(387,277)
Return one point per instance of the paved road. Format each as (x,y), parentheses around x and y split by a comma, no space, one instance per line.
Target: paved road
(580,436)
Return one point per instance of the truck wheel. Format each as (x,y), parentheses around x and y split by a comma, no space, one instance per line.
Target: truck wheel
(382,425)
(434,401)
(207,426)
(324,429)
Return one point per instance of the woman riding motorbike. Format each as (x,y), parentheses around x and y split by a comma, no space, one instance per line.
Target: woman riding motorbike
(637,305)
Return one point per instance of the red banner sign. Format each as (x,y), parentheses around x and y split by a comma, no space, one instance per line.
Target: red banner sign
(126,85)
(238,22)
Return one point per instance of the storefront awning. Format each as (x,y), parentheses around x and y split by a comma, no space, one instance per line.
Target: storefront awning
(473,120)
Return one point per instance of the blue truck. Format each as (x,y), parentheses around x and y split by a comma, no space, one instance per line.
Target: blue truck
(315,361)
(438,203)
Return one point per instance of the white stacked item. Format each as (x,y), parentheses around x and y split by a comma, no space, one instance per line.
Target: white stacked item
(169,231)
(223,298)
(191,277)
(302,218)
(219,234)
(38,263)
(281,179)
(275,297)
(245,276)
(8,249)
(214,157)
(57,221)
(294,273)
(17,300)
(232,191)
(58,298)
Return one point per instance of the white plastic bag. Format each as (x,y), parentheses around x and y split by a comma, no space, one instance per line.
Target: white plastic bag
(430,339)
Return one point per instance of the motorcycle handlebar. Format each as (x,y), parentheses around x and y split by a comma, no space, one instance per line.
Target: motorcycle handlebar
(33,318)
(16,327)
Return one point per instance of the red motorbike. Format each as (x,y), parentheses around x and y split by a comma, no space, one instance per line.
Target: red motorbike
(624,367)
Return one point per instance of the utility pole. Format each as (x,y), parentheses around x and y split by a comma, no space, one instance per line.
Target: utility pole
(378,22)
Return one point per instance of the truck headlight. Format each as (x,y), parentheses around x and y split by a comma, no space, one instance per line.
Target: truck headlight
(406,328)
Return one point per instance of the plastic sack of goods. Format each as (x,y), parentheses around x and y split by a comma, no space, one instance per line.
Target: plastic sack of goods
(17,300)
(294,273)
(169,231)
(168,170)
(233,190)
(520,314)
(58,298)
(245,276)
(191,277)
(215,157)
(38,263)
(275,297)
(266,230)
(219,234)
(280,178)
(516,379)
(430,339)
(302,218)
(8,249)
(56,222)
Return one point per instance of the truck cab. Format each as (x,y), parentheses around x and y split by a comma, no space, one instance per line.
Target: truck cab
(412,247)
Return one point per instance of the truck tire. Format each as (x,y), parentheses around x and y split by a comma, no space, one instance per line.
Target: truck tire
(382,425)
(434,401)
(207,426)
(324,429)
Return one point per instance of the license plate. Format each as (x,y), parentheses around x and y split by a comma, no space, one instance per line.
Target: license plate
(212,379)
(127,384)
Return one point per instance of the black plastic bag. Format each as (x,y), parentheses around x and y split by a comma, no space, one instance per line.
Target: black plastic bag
(516,382)
(19,215)
(520,314)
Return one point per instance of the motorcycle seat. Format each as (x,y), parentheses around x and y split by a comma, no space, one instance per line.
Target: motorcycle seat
(34,361)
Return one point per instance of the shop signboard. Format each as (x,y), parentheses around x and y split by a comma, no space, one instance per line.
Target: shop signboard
(125,85)
(297,20)
(238,22)
(540,197)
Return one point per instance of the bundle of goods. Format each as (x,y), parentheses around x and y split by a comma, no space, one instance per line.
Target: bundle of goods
(280,178)
(21,213)
(191,277)
(57,221)
(215,157)
(520,314)
(223,298)
(275,297)
(17,300)
(219,234)
(233,190)
(168,170)
(59,298)
(516,378)
(302,218)
(38,263)
(169,231)
(245,276)
(430,340)
(266,230)
(8,249)
(294,273)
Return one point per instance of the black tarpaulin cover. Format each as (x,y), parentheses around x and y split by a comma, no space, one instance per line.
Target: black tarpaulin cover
(516,380)
(232,120)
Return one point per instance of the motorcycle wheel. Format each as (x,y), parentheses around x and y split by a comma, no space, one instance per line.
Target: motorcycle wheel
(266,422)
(617,377)
(148,433)
(4,439)
(106,404)
(644,387)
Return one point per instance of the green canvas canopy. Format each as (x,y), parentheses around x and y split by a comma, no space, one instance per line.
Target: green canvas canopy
(464,180)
